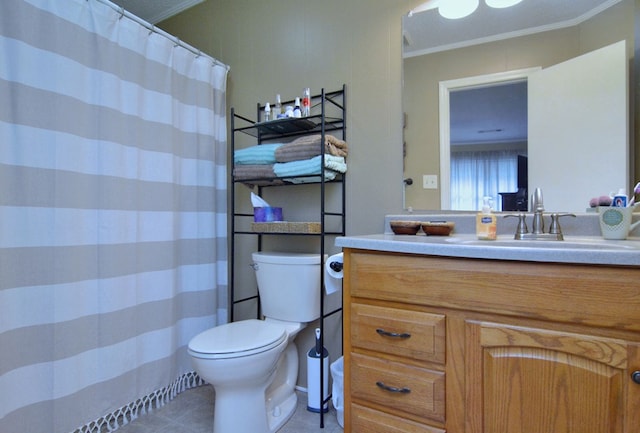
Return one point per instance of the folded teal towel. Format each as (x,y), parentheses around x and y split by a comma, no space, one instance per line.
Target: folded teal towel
(254,155)
(309,166)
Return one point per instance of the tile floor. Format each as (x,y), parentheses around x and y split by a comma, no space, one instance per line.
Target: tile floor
(192,412)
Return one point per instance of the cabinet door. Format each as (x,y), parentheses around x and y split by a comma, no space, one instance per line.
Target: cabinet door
(527,380)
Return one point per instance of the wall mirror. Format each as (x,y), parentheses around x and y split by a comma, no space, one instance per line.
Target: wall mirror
(548,47)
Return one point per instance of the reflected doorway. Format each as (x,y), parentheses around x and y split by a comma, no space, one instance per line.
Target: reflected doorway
(483,130)
(488,146)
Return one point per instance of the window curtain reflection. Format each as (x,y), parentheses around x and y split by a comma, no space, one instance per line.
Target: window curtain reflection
(476,174)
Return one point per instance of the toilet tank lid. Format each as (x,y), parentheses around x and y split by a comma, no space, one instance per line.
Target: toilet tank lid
(238,337)
(286,258)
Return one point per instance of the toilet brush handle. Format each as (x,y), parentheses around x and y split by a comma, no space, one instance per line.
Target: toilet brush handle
(318,344)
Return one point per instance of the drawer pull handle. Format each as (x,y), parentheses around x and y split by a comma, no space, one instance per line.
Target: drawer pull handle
(392,334)
(393,388)
(635,376)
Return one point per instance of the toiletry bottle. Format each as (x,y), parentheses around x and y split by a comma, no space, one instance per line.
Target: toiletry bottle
(486,222)
(267,112)
(296,109)
(306,102)
(277,110)
(620,199)
(288,112)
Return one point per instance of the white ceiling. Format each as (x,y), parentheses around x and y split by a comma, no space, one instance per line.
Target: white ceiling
(427,31)
(154,11)
(499,113)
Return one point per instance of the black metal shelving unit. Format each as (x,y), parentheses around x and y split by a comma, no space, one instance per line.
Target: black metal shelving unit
(331,119)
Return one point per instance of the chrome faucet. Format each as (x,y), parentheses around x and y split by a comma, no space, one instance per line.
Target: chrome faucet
(537,233)
(537,205)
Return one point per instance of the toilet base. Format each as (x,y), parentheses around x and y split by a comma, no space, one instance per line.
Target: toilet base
(239,411)
(282,400)
(262,407)
(277,416)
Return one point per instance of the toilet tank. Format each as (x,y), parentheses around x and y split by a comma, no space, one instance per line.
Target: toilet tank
(289,285)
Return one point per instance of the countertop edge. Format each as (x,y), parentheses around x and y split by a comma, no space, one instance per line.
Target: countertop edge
(424,245)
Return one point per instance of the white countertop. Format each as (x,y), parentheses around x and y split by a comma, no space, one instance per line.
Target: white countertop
(584,249)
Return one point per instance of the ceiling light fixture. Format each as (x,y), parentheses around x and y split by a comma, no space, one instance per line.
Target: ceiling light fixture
(455,9)
(501,3)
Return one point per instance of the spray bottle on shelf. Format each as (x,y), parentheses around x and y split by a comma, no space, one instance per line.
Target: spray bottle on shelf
(486,222)
(306,102)
(296,109)
(267,112)
(277,110)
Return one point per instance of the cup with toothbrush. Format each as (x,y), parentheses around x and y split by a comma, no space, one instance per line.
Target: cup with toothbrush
(615,221)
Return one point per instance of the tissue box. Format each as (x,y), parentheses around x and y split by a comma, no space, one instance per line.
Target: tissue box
(267,214)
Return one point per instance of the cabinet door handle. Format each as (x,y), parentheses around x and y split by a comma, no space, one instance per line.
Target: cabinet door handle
(392,334)
(381,385)
(635,376)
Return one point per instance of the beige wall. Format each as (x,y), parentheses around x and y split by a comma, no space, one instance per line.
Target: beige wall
(282,46)
(423,73)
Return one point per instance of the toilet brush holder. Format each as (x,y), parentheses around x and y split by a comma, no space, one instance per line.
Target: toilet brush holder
(317,358)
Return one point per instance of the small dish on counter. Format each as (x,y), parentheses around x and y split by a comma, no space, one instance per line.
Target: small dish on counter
(405,227)
(438,228)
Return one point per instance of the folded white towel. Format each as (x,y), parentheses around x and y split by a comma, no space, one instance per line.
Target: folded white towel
(328,176)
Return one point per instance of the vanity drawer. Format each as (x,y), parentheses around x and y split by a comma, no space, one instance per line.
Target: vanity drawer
(412,334)
(401,388)
(368,420)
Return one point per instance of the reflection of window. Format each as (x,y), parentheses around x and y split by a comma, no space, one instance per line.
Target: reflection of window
(475,174)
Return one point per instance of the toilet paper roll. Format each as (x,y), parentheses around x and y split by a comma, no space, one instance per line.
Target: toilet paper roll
(333,274)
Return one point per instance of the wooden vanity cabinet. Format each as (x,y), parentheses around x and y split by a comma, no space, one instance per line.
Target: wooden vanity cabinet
(435,344)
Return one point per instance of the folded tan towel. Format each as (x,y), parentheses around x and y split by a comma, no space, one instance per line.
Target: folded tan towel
(335,146)
(298,152)
(309,146)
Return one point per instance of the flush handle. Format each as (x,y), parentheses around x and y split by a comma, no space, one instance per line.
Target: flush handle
(384,333)
(254,266)
(393,389)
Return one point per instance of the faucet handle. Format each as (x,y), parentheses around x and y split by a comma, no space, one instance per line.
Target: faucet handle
(522,224)
(554,228)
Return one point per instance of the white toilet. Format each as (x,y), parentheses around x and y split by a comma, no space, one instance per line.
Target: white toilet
(253,364)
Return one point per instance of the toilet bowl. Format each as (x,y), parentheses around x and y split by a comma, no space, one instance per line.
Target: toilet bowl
(253,364)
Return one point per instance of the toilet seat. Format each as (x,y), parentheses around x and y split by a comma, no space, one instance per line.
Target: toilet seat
(237,339)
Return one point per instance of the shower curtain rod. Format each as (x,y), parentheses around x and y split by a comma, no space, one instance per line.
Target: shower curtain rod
(152,28)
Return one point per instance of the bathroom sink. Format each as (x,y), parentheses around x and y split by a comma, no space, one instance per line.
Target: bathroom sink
(575,243)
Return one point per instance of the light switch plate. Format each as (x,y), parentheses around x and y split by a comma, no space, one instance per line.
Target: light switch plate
(430,181)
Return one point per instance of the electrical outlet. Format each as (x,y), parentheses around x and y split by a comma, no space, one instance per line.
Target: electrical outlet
(430,181)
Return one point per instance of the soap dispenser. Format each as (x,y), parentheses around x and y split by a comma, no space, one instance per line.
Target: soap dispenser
(486,222)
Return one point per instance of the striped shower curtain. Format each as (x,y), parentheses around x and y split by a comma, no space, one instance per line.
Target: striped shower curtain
(112,214)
